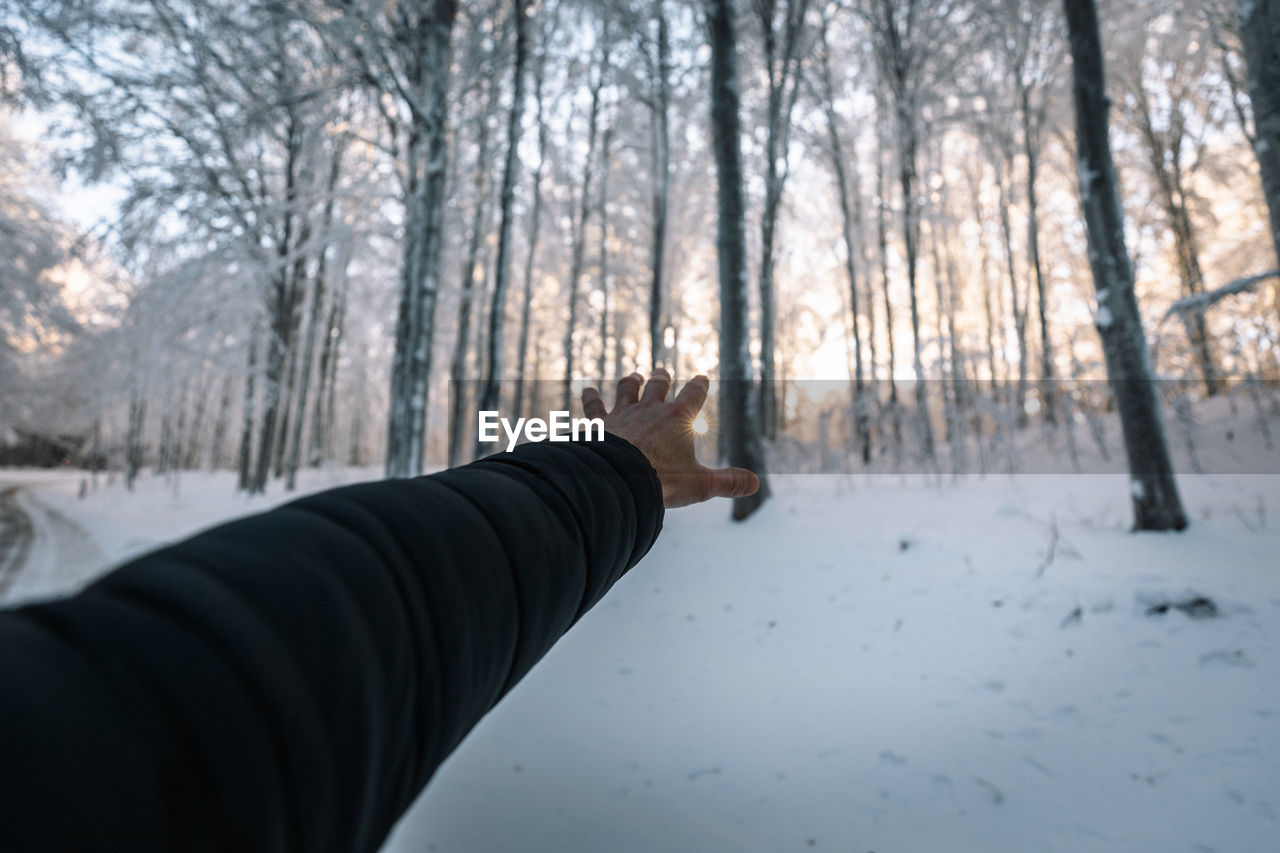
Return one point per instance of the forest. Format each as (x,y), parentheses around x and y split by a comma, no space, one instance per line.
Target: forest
(901,235)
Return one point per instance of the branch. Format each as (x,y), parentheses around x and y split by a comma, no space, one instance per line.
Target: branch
(1202,301)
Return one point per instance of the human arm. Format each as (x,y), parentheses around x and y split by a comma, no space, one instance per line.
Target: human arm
(291,680)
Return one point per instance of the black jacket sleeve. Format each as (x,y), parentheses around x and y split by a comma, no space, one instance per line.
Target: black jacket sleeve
(291,680)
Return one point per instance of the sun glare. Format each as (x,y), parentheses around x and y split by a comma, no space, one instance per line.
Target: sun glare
(699,425)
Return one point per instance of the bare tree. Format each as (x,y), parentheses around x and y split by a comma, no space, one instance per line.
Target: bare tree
(584,208)
(502,266)
(909,40)
(849,223)
(549,20)
(1164,124)
(784,46)
(472,269)
(406,54)
(739,429)
(1260,35)
(1156,504)
(1027,34)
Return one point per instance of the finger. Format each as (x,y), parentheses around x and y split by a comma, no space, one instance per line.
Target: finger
(592,405)
(659,384)
(693,395)
(733,483)
(628,390)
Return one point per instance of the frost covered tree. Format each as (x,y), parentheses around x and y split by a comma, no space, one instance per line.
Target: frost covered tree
(33,244)
(1260,35)
(739,428)
(520,12)
(784,38)
(404,51)
(1156,504)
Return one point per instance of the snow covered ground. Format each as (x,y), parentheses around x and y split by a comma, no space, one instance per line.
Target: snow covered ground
(872,663)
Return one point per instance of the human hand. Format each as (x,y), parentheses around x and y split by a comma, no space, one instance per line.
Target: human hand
(663,432)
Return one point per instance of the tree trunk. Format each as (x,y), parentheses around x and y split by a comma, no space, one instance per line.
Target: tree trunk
(1164,156)
(660,163)
(221,424)
(882,247)
(458,384)
(1031,150)
(281,314)
(1156,504)
(420,281)
(489,393)
(245,458)
(580,225)
(1260,35)
(782,65)
(314,321)
(739,430)
(1019,308)
(133,438)
(862,430)
(606,292)
(535,223)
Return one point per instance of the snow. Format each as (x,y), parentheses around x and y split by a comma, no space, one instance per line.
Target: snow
(1104,318)
(873,662)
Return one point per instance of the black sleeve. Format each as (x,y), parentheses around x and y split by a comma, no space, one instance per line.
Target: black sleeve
(291,680)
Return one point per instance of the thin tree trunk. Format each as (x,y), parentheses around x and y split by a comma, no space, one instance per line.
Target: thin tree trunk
(535,223)
(882,247)
(245,458)
(281,316)
(782,65)
(489,393)
(1003,168)
(337,326)
(190,454)
(1164,156)
(660,149)
(314,320)
(471,268)
(1156,504)
(133,438)
(221,424)
(1031,150)
(739,429)
(584,213)
(606,292)
(862,429)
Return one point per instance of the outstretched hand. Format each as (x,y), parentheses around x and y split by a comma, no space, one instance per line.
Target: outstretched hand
(663,432)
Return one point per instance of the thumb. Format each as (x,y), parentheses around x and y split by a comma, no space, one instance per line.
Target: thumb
(733,483)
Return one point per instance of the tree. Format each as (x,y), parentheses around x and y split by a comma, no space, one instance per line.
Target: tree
(849,223)
(506,196)
(1156,504)
(783,53)
(550,19)
(739,429)
(909,40)
(1171,127)
(584,208)
(406,55)
(1260,35)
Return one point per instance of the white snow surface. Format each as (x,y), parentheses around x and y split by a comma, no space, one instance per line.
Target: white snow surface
(871,663)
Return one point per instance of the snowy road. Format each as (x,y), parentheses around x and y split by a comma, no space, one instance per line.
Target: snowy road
(42,550)
(16,533)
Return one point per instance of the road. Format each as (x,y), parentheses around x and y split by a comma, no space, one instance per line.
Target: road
(42,550)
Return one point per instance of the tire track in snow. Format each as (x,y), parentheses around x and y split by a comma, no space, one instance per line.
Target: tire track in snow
(42,551)
(17,532)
